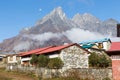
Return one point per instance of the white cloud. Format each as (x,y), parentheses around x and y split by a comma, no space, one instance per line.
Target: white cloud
(43,37)
(77,35)
(22,46)
(115,39)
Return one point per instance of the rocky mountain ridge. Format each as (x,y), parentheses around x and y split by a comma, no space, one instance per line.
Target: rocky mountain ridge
(54,29)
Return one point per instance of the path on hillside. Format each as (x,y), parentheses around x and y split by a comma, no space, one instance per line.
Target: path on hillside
(14,76)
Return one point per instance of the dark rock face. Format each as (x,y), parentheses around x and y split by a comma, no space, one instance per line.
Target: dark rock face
(49,31)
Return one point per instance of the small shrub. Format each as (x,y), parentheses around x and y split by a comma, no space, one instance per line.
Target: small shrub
(55,63)
(99,60)
(104,61)
(43,61)
(93,60)
(34,59)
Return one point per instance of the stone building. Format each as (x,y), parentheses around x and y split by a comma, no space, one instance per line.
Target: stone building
(72,55)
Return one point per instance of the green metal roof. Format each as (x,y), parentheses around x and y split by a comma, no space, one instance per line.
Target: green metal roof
(87,46)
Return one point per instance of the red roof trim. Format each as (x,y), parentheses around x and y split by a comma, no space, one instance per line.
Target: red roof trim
(59,48)
(115,46)
(35,51)
(50,49)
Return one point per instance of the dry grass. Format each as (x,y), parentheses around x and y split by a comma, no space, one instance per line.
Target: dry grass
(9,75)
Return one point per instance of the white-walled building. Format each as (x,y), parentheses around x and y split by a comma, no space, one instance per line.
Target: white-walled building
(13,59)
(100,43)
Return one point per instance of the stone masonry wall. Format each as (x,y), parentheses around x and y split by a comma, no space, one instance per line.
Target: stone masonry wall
(74,57)
(97,73)
(90,73)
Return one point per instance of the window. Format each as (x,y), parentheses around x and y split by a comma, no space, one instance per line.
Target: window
(17,58)
(100,45)
(1,59)
(11,58)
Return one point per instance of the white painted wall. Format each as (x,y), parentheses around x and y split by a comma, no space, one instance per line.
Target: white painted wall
(14,60)
(53,55)
(25,59)
(106,45)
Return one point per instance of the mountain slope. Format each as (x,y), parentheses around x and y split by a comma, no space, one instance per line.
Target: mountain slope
(55,29)
(93,24)
(45,32)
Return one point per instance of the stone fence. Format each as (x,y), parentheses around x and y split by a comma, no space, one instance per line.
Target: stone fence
(96,73)
(91,73)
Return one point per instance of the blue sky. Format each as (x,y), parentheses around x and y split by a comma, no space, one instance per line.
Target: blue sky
(18,14)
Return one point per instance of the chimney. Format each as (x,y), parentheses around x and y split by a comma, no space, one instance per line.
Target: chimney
(118,30)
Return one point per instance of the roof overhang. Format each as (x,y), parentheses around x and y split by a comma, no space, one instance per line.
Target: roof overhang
(114,52)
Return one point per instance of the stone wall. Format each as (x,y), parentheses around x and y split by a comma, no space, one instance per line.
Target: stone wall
(97,74)
(90,73)
(74,57)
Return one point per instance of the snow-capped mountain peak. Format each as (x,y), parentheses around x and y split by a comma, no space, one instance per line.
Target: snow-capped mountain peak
(55,13)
